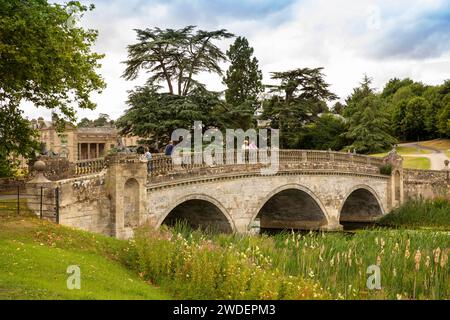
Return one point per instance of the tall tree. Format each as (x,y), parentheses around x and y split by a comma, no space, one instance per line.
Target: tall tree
(243,80)
(174,58)
(154,116)
(368,124)
(44,60)
(297,101)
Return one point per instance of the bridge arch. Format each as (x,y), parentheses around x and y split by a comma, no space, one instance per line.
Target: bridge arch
(298,208)
(200,211)
(361,204)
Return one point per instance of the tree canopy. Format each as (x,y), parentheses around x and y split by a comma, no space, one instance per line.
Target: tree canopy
(297,101)
(173,59)
(44,60)
(244,83)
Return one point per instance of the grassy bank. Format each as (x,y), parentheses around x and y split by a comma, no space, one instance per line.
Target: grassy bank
(421,163)
(420,214)
(404,151)
(438,144)
(35,254)
(411,162)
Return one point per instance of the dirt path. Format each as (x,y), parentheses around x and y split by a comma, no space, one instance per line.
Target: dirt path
(437,157)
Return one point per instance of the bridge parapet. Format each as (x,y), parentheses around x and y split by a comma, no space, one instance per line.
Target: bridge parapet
(194,164)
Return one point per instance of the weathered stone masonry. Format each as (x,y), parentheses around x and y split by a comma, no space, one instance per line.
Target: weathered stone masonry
(320,193)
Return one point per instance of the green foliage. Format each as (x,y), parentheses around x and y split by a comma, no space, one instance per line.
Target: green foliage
(443,117)
(327,132)
(17,138)
(198,268)
(368,124)
(243,81)
(386,169)
(420,213)
(155,115)
(297,101)
(417,111)
(35,254)
(102,120)
(293,265)
(175,56)
(44,61)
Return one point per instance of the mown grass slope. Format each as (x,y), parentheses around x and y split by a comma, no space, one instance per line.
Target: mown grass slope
(35,255)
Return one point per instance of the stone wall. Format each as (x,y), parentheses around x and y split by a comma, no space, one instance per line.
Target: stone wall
(427,184)
(85,204)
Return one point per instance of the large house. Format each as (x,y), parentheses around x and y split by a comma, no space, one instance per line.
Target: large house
(79,143)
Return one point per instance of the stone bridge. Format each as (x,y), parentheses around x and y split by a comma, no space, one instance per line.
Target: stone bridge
(311,190)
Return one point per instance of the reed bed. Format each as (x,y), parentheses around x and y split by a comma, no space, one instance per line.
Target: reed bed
(289,265)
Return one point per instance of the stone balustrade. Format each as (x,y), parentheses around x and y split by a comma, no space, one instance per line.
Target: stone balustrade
(89,166)
(223,162)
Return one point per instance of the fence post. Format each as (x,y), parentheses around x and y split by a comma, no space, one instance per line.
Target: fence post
(40,204)
(18,200)
(57,204)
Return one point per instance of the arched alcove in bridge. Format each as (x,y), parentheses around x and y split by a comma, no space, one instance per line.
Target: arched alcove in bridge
(291,209)
(361,205)
(131,203)
(199,214)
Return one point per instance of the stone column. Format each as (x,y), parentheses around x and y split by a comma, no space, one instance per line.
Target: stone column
(333,219)
(33,189)
(117,175)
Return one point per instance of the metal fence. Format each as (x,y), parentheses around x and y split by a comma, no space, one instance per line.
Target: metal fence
(22,200)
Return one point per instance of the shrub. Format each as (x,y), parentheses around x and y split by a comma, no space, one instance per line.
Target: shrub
(420,213)
(386,169)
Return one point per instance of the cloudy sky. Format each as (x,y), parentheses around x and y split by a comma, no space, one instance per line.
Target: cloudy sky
(385,39)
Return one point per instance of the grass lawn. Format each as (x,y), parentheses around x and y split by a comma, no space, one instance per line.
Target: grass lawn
(439,144)
(404,151)
(416,163)
(35,254)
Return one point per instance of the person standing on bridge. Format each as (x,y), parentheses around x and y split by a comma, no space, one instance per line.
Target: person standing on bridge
(169,148)
(148,156)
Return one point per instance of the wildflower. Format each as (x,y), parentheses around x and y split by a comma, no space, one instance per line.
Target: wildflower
(396,247)
(427,261)
(437,253)
(399,296)
(417,257)
(382,243)
(407,253)
(378,260)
